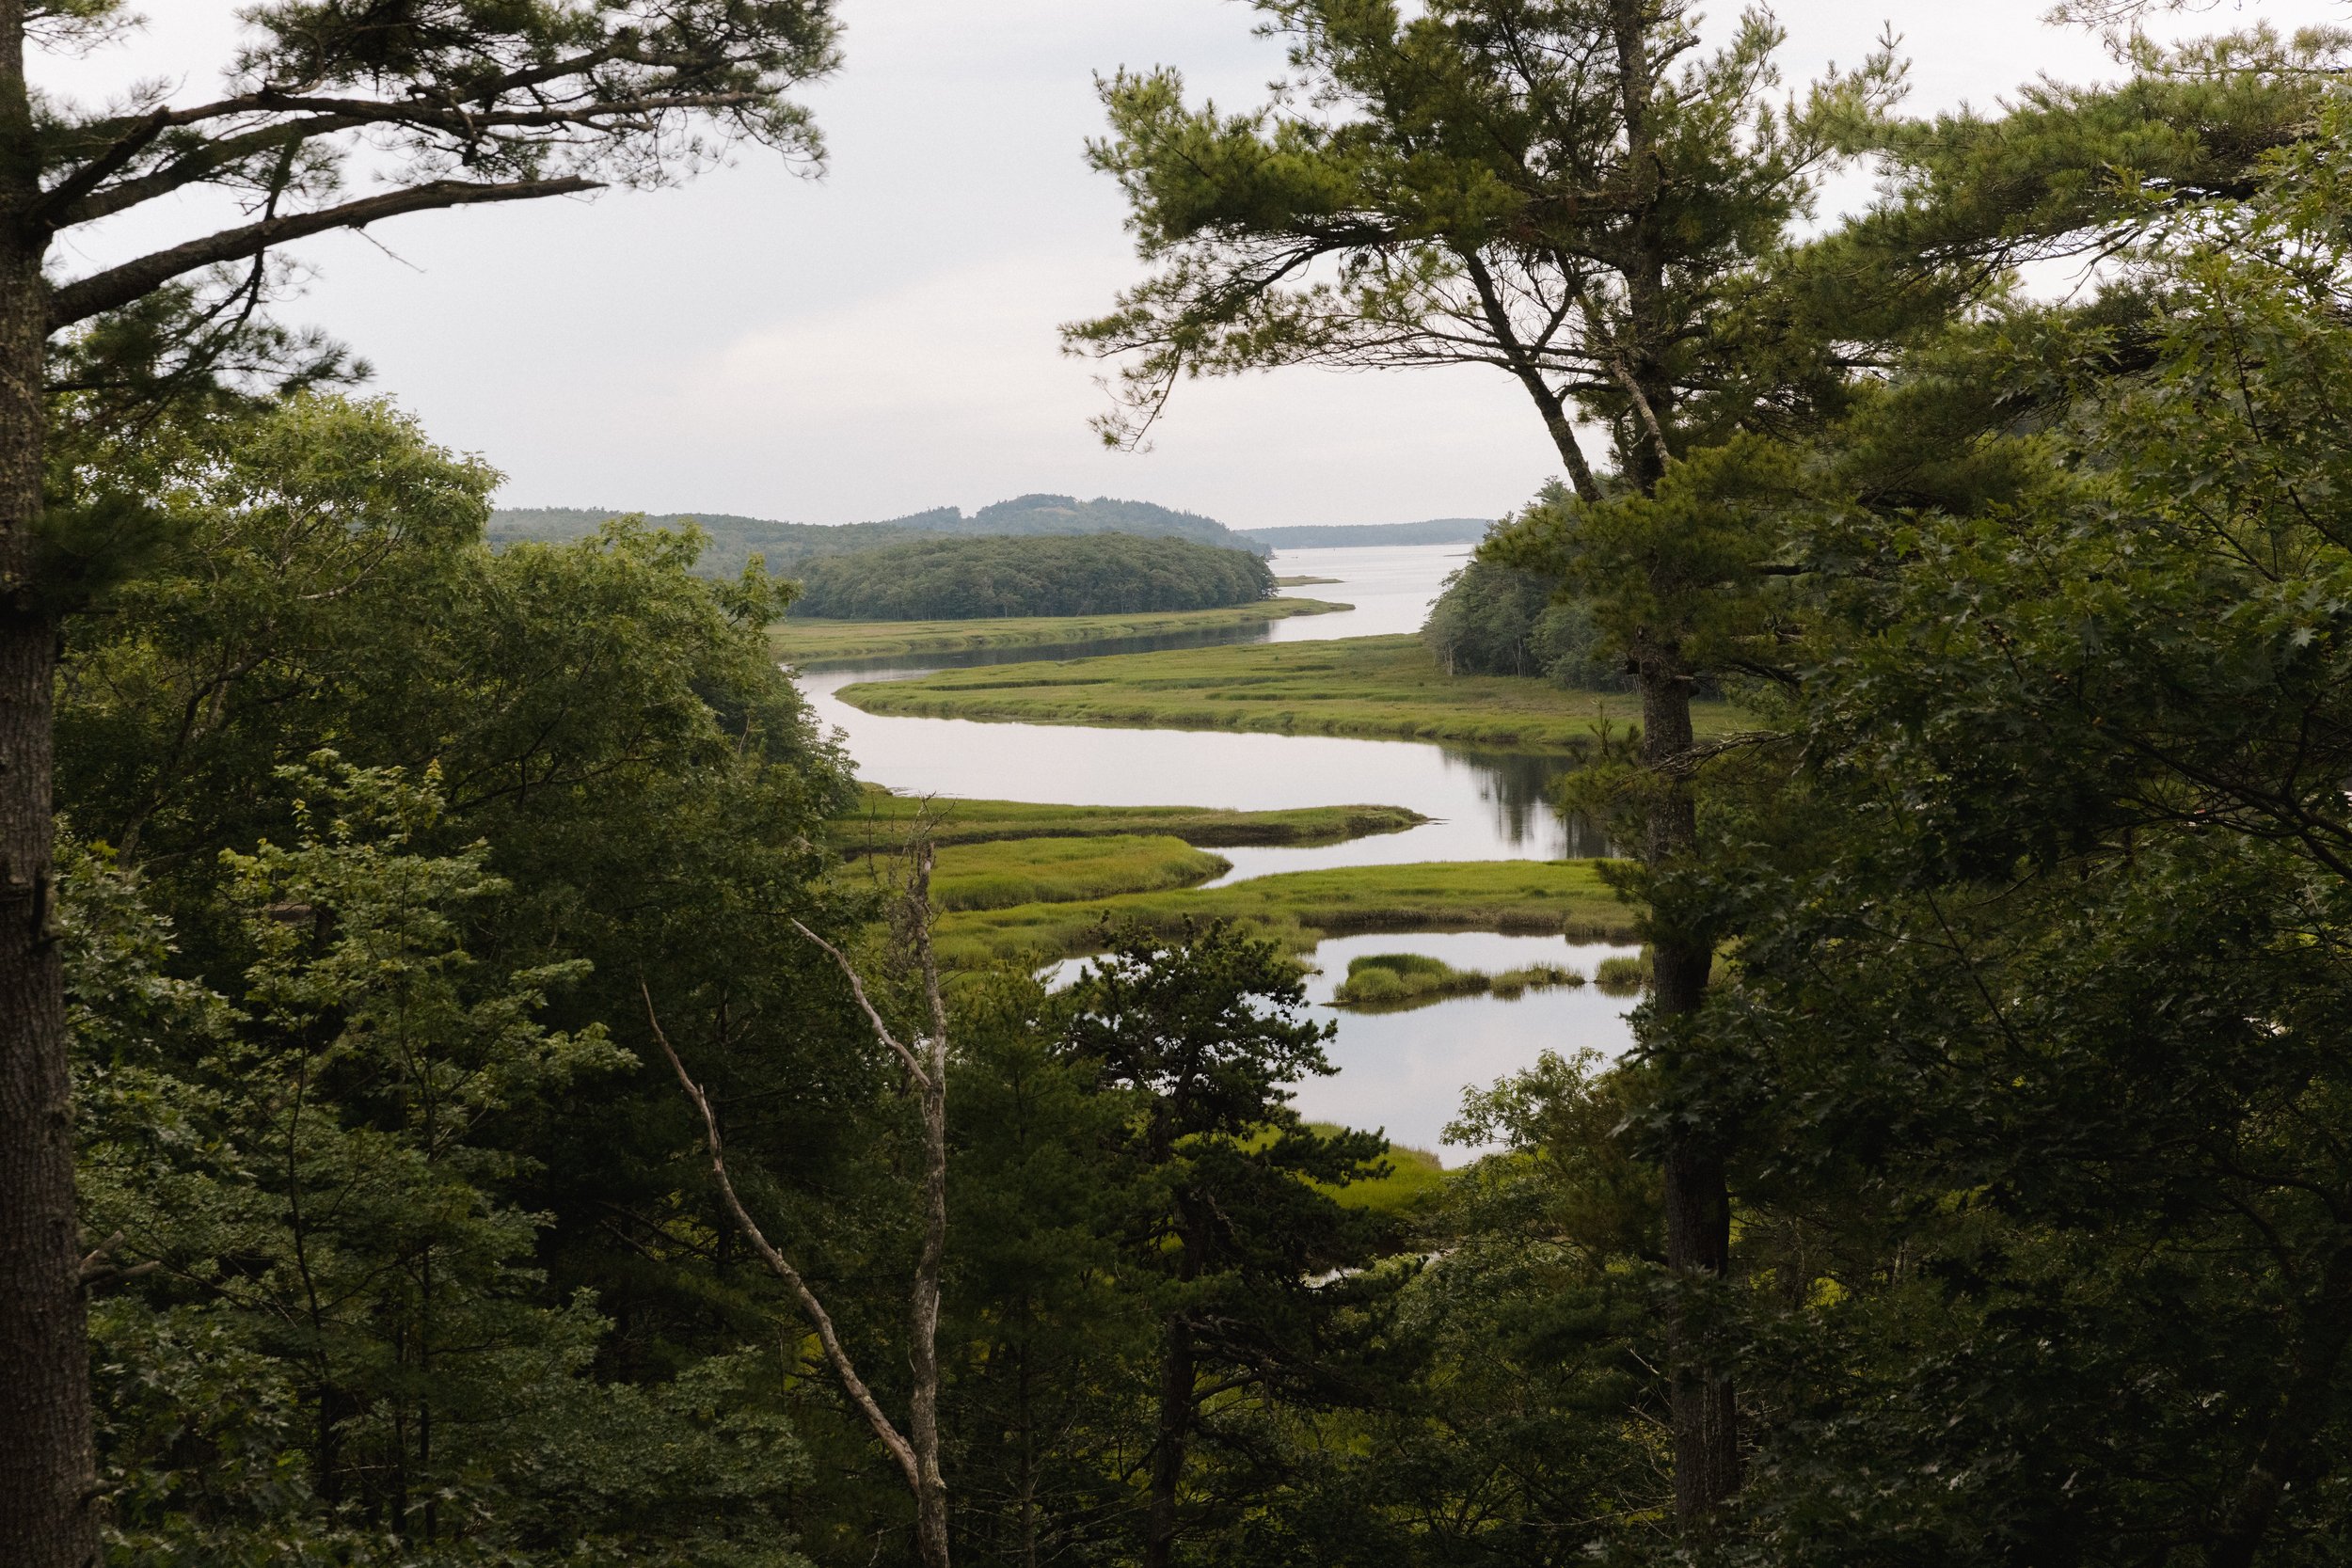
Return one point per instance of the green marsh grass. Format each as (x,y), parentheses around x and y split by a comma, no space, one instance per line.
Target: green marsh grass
(1382,687)
(809,641)
(881,822)
(1300,908)
(1397,982)
(1059,870)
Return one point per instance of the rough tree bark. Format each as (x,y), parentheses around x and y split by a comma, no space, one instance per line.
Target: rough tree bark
(925,1063)
(47,1470)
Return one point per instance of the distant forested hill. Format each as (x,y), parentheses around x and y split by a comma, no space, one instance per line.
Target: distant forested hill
(734,539)
(971,579)
(1437,530)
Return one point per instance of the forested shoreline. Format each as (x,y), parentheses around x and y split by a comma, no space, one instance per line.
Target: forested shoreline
(996,579)
(733,540)
(483,1084)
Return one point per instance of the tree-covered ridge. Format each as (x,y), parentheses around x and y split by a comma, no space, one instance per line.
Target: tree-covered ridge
(1319,536)
(733,540)
(971,579)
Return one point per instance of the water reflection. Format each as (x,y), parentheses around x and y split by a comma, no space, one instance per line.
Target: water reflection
(1406,1073)
(1485,805)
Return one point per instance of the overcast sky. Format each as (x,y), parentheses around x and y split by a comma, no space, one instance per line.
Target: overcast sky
(882,339)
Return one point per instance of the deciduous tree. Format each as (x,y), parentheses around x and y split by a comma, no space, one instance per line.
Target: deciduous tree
(442,103)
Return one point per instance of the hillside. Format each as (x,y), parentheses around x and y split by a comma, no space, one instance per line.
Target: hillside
(734,539)
(1309,536)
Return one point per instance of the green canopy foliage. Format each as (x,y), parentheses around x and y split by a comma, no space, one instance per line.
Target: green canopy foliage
(969,580)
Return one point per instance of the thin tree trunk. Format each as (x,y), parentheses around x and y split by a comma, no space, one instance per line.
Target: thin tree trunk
(916,1451)
(47,1469)
(1178,1372)
(931,1487)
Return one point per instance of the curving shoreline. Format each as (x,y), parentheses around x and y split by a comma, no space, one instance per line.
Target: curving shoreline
(1366,688)
(810,641)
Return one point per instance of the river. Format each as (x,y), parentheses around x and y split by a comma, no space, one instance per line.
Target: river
(1403,1071)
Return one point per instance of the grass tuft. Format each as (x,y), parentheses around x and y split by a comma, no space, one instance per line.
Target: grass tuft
(1397,982)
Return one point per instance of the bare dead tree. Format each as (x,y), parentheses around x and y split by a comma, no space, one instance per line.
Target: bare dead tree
(924,1064)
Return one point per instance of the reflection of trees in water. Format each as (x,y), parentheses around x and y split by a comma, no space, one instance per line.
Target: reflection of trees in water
(1518,786)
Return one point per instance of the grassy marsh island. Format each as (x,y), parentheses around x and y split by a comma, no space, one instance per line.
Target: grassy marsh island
(810,641)
(882,819)
(1398,982)
(1379,688)
(998,875)
(1300,908)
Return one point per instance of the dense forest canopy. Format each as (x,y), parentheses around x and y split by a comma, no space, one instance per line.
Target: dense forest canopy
(506,1124)
(732,539)
(1494,620)
(1088,574)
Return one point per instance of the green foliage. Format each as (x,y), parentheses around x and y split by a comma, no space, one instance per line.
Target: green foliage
(2033,1036)
(341,1348)
(964,580)
(1468,177)
(1494,621)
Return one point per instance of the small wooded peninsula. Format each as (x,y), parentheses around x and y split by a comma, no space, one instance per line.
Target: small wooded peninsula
(1785,1003)
(984,578)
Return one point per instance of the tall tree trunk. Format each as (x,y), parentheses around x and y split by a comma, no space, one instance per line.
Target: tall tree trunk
(47,1471)
(1696,1201)
(1178,1370)
(1703,1414)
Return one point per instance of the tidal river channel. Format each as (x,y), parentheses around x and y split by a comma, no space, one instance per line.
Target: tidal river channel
(1403,1071)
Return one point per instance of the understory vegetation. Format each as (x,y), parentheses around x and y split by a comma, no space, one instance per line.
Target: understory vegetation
(983,578)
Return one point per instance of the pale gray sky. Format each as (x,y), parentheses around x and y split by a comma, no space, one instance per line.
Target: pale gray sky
(883,340)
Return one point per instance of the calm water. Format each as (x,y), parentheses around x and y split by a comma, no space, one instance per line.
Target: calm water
(1485,805)
(1402,1072)
(1406,1073)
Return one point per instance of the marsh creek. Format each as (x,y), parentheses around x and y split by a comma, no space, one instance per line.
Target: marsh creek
(1401,1072)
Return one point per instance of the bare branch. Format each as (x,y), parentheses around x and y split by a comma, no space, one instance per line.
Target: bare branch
(777,1264)
(118,285)
(857,988)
